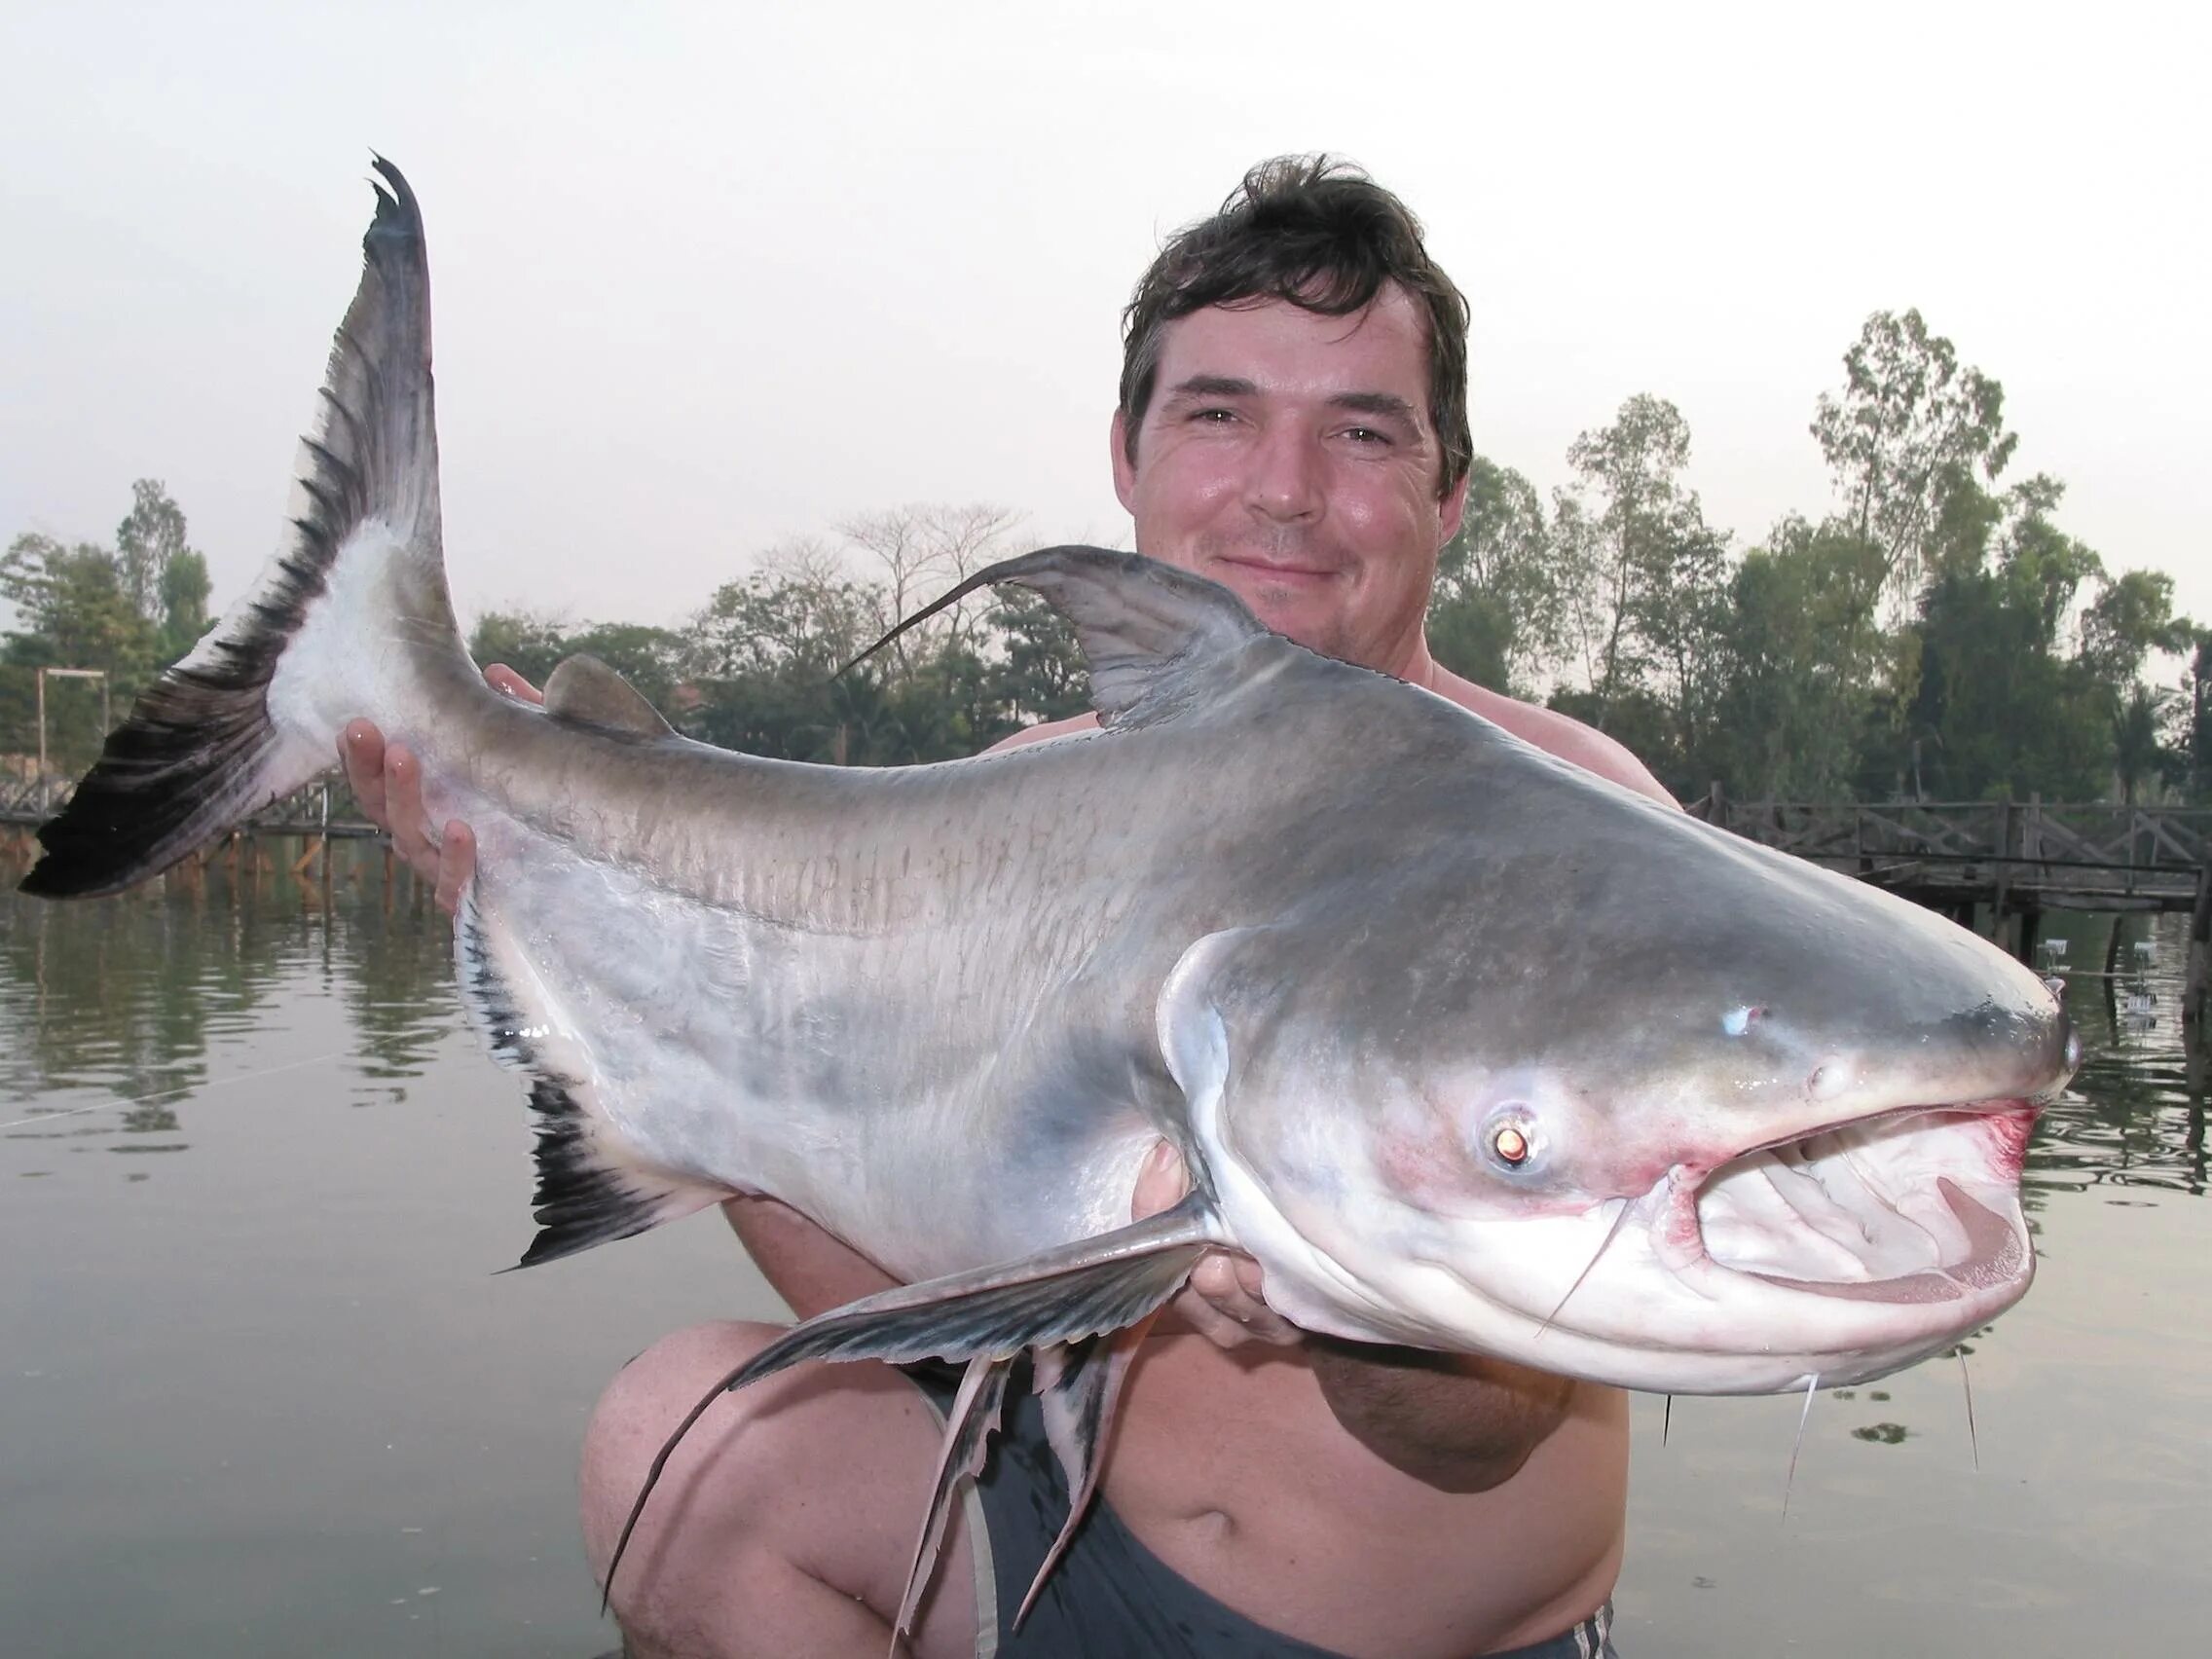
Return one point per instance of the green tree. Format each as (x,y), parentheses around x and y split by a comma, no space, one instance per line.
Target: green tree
(1498,613)
(1647,572)
(1910,440)
(2005,708)
(184,591)
(1801,656)
(150,537)
(1039,673)
(531,645)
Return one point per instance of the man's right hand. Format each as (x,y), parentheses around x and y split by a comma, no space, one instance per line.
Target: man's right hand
(387,783)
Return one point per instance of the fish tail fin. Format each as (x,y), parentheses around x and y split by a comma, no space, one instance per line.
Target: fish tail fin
(353,604)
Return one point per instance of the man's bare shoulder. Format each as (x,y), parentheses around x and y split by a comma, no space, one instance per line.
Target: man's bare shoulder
(1556,734)
(1039,733)
(1548,729)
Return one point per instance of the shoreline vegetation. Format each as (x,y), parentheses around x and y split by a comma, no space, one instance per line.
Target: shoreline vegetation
(1935,635)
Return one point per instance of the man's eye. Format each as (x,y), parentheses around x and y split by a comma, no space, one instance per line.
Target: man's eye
(1213,417)
(1366,435)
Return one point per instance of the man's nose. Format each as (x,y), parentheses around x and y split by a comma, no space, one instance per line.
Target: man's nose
(1285,480)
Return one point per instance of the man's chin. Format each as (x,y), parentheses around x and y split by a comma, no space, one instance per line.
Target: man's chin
(1307,605)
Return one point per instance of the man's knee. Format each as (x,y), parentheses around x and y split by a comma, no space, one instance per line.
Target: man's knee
(813,1477)
(641,1409)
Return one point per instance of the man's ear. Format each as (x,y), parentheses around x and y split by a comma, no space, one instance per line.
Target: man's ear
(1124,469)
(1452,509)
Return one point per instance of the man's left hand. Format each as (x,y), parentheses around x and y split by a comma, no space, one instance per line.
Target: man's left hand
(1221,1301)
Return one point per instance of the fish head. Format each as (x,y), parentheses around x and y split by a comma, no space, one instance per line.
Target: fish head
(1742,1124)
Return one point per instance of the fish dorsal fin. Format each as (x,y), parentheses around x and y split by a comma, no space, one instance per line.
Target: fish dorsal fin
(584,690)
(1143,626)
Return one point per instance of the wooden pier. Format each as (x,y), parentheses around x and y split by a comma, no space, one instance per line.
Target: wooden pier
(2006,863)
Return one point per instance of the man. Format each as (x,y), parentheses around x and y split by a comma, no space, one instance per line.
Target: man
(1292,422)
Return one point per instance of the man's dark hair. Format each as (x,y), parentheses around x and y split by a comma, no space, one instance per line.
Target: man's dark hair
(1322,235)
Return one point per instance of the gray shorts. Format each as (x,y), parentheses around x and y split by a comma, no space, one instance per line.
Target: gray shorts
(1110,1598)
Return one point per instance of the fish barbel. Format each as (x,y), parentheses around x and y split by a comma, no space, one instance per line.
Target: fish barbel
(1469,1049)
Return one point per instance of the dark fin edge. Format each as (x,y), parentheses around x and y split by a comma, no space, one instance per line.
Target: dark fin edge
(967,1430)
(198,752)
(1057,1296)
(581,1199)
(1138,620)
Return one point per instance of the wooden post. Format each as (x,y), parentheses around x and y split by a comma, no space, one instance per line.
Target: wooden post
(2199,983)
(2004,844)
(1717,805)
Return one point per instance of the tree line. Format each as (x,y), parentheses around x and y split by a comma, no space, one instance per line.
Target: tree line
(1936,634)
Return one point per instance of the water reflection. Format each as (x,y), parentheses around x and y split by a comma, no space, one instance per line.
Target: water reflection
(126,999)
(2134,1118)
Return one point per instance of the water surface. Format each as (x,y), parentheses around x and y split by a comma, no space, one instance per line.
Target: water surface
(262,1392)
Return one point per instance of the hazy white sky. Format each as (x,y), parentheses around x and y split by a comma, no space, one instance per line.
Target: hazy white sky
(707,277)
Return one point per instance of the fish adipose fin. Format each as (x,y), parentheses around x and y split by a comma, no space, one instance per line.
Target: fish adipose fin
(237,724)
(1062,1295)
(589,1191)
(1144,626)
(584,692)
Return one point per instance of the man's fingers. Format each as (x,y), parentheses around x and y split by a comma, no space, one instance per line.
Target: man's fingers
(387,782)
(360,747)
(403,801)
(508,683)
(1159,1183)
(457,862)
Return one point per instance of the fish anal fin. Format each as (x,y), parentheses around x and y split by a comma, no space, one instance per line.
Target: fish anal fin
(584,692)
(1079,1386)
(589,1190)
(967,1430)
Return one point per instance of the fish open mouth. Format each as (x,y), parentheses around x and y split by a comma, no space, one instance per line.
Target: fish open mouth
(1914,1206)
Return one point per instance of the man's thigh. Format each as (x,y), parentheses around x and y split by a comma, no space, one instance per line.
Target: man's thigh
(785,1520)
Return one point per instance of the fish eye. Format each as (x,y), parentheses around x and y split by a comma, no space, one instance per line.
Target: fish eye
(1509,1138)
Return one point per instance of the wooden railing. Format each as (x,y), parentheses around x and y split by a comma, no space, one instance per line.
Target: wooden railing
(2019,844)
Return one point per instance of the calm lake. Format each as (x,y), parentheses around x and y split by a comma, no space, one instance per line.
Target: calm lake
(262,1392)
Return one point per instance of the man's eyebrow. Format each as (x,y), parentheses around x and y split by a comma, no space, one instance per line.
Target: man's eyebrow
(1376,403)
(1214,386)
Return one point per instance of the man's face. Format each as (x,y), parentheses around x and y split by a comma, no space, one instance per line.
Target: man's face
(1290,457)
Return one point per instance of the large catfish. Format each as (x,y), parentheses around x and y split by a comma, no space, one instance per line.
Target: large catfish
(1469,1049)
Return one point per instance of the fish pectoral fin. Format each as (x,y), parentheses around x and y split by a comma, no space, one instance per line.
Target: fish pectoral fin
(967,1430)
(1143,626)
(1079,1385)
(1061,1294)
(584,692)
